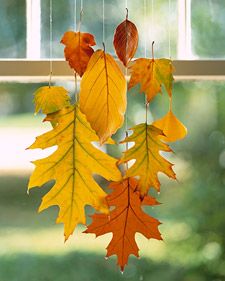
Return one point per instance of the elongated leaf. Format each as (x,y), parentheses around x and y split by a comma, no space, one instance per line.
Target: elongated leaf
(148,160)
(152,74)
(50,99)
(72,167)
(78,49)
(125,220)
(103,95)
(126,41)
(172,128)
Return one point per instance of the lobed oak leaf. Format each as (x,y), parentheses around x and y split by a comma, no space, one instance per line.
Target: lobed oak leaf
(152,74)
(148,159)
(50,99)
(125,220)
(172,128)
(103,95)
(72,167)
(125,41)
(78,49)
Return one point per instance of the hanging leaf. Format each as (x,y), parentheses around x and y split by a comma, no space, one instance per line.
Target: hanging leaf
(125,220)
(148,159)
(78,49)
(126,41)
(152,74)
(103,95)
(172,128)
(50,99)
(72,167)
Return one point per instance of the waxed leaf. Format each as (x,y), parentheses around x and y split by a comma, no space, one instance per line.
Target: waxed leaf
(172,128)
(50,99)
(103,95)
(146,152)
(125,220)
(72,167)
(126,41)
(152,74)
(78,49)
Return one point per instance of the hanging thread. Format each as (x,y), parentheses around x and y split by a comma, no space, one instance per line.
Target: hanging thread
(75,15)
(169,30)
(145,26)
(103,21)
(50,42)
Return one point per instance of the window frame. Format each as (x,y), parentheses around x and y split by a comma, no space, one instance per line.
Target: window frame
(34,68)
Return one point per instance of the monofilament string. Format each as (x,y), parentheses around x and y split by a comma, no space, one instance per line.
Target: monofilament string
(103,21)
(145,54)
(75,15)
(50,43)
(126,114)
(169,43)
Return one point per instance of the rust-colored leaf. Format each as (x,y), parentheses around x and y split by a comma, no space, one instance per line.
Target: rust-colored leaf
(152,74)
(125,220)
(78,49)
(126,41)
(146,152)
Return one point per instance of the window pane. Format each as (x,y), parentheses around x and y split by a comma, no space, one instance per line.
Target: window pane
(208,28)
(13,29)
(63,20)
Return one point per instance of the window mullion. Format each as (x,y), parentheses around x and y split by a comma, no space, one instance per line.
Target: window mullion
(33,14)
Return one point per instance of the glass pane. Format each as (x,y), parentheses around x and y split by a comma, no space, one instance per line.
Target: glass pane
(208,28)
(32,246)
(13,29)
(63,20)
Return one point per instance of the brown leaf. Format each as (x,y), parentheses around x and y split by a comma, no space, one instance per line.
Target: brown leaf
(126,41)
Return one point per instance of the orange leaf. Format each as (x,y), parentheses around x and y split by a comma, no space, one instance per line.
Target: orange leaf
(152,74)
(125,220)
(126,41)
(146,152)
(172,128)
(78,49)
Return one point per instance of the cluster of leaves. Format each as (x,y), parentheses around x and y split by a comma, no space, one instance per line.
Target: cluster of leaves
(97,115)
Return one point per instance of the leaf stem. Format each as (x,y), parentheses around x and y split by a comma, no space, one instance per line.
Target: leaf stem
(127,14)
(153,42)
(103,46)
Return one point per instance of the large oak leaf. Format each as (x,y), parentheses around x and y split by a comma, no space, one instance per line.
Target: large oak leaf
(72,167)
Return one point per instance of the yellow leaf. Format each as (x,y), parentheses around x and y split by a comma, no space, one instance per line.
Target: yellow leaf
(50,99)
(148,160)
(103,95)
(172,128)
(72,167)
(152,74)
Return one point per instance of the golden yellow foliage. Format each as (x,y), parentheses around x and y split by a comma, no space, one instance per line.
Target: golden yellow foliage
(148,159)
(72,167)
(103,95)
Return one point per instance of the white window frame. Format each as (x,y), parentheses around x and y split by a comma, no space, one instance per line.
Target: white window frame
(35,69)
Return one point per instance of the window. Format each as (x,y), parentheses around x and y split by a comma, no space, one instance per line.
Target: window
(31,245)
